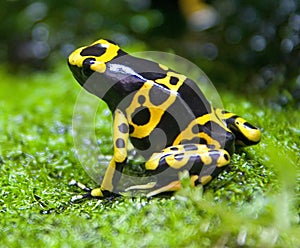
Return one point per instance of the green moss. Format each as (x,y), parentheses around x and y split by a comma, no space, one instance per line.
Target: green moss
(255,203)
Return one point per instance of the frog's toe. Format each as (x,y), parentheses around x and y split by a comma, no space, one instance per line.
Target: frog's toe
(90,193)
(141,186)
(171,187)
(79,185)
(78,198)
(155,188)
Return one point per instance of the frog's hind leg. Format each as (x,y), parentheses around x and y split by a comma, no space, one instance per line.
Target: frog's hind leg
(202,162)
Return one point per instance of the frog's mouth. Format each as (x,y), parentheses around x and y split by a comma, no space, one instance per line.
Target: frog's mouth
(77,73)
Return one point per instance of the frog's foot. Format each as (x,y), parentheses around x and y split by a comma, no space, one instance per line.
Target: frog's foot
(97,193)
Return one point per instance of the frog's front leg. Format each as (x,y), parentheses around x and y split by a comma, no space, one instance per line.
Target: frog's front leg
(202,162)
(114,170)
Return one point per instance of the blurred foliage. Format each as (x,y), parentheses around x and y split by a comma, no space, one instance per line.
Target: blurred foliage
(233,41)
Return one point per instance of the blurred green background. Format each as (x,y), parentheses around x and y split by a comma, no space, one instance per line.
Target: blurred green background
(248,44)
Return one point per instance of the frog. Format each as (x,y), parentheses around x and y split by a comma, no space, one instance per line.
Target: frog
(163,114)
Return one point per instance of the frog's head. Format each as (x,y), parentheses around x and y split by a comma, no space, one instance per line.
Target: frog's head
(86,60)
(102,69)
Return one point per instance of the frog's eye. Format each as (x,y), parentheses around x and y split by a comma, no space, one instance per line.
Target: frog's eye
(96,50)
(86,66)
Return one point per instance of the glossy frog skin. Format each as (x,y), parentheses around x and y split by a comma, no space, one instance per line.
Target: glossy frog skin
(164,114)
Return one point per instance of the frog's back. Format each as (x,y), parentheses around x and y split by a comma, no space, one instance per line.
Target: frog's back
(169,109)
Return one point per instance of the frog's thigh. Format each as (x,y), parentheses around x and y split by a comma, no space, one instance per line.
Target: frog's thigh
(202,163)
(186,156)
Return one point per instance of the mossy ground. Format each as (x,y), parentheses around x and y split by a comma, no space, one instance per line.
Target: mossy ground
(255,203)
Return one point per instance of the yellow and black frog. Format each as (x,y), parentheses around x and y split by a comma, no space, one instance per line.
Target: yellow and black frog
(165,115)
